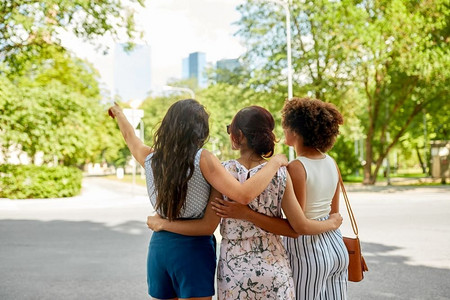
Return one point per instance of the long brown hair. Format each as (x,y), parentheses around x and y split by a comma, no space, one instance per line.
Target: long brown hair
(183,130)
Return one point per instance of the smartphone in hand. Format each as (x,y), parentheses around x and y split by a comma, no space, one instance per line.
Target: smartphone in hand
(110,113)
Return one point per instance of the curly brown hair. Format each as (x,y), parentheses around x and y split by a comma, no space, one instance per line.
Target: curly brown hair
(316,121)
(183,130)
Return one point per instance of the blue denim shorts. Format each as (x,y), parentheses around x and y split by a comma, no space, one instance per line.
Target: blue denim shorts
(180,266)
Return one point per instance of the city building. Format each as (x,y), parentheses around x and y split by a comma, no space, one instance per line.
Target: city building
(226,68)
(228,64)
(194,66)
(132,72)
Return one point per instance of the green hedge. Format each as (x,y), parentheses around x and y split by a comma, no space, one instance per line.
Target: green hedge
(30,181)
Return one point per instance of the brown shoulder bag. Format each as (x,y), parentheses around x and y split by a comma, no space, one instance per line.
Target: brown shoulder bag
(357,265)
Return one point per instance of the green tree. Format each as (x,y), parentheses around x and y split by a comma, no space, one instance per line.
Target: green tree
(155,109)
(12,112)
(26,26)
(403,68)
(54,107)
(49,99)
(324,35)
(54,63)
(222,101)
(380,62)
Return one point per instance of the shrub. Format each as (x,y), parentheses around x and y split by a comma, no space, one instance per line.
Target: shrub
(30,181)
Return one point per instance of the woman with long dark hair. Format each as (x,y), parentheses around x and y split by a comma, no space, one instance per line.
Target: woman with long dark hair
(253,263)
(179,174)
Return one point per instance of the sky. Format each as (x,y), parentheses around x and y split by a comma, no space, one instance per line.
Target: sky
(173,29)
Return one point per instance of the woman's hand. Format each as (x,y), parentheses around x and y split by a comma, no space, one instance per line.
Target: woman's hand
(281,159)
(114,110)
(336,220)
(230,209)
(155,222)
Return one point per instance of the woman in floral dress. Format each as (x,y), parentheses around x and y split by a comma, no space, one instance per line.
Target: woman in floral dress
(253,263)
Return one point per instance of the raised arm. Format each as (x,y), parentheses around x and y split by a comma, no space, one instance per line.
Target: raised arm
(204,226)
(137,148)
(296,222)
(226,184)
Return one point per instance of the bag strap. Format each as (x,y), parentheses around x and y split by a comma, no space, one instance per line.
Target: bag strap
(347,203)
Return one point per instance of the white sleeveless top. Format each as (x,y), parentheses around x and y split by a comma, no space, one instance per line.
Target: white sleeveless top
(321,182)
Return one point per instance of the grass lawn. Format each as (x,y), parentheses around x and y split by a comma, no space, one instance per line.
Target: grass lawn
(400,178)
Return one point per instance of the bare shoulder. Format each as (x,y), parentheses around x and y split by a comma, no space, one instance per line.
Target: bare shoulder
(205,154)
(295,166)
(206,157)
(296,170)
(208,161)
(141,153)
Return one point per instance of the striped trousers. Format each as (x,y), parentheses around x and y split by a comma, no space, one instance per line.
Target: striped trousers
(319,266)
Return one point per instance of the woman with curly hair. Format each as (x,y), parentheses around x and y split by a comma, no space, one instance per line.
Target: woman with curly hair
(179,174)
(319,262)
(253,263)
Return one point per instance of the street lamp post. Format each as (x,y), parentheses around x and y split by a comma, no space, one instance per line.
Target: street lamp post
(285,5)
(179,89)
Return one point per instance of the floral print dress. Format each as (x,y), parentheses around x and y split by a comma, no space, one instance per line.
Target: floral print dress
(253,263)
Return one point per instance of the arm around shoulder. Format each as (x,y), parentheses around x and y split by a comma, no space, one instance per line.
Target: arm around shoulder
(198,227)
(225,183)
(275,225)
(297,218)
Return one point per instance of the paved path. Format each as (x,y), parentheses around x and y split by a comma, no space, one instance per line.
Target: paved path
(94,246)
(405,235)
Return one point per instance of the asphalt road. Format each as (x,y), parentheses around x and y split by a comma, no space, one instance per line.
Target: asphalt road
(94,246)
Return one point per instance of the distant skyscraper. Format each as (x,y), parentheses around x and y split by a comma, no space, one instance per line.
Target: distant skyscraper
(194,66)
(228,64)
(132,73)
(225,68)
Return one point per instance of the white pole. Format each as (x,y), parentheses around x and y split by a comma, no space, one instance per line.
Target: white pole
(289,49)
(289,57)
(289,64)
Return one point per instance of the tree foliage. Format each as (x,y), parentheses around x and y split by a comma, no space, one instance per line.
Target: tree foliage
(27,26)
(381,62)
(50,100)
(404,70)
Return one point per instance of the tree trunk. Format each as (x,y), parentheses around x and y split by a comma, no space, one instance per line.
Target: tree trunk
(368,178)
(422,165)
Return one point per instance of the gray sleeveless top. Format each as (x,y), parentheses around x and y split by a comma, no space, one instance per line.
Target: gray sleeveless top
(197,192)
